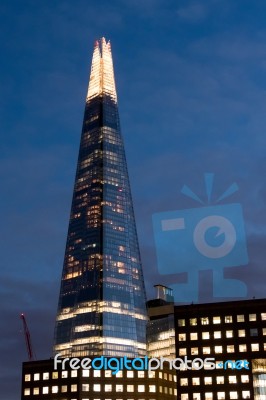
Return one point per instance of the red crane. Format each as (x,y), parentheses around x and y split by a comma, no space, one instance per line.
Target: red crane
(27,338)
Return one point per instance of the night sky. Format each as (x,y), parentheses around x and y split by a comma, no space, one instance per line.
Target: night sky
(191,82)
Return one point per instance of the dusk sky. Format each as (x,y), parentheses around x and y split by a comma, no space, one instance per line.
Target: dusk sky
(191,82)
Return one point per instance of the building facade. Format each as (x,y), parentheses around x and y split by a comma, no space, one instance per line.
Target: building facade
(234,335)
(102,304)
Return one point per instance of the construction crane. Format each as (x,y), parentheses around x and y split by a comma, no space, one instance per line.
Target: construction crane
(27,338)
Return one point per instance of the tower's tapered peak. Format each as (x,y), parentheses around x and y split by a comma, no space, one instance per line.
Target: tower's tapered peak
(102,73)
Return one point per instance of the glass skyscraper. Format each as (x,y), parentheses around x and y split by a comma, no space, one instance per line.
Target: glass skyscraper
(102,299)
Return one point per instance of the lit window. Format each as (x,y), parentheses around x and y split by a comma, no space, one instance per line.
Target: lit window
(230,348)
(151,374)
(141,374)
(194,351)
(184,396)
(229,334)
(206,350)
(183,382)
(216,320)
(244,378)
(196,396)
(208,380)
(193,321)
(221,395)
(193,336)
(218,349)
(64,388)
(74,374)
(181,322)
(141,388)
(182,352)
(263,316)
(245,394)
(26,392)
(64,374)
(204,321)
(119,374)
(45,376)
(254,332)
(255,347)
(252,317)
(36,390)
(86,373)
(54,389)
(55,375)
(130,374)
(264,331)
(108,373)
(152,388)
(228,319)
(219,380)
(242,348)
(205,335)
(240,318)
(74,388)
(27,378)
(119,388)
(233,395)
(219,364)
(195,381)
(86,387)
(217,335)
(241,333)
(264,346)
(208,396)
(45,390)
(97,387)
(182,337)
(232,379)
(160,375)
(130,388)
(97,373)
(36,377)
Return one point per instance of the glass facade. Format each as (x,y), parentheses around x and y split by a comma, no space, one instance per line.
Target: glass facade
(102,307)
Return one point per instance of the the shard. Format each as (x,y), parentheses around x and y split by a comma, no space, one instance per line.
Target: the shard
(101,307)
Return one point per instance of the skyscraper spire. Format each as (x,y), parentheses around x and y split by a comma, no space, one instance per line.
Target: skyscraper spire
(101,307)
